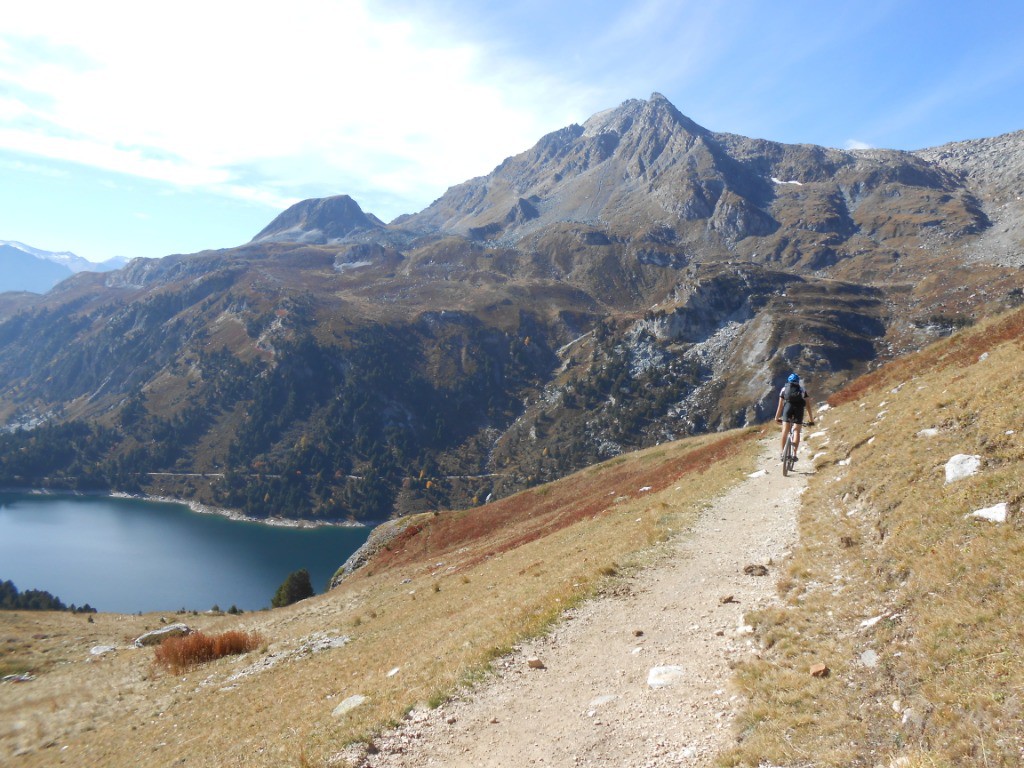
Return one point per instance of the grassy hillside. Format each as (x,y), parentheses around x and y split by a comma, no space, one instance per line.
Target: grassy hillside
(938,679)
(453,593)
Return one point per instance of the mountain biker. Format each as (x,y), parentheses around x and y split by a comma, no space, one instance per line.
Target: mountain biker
(793,399)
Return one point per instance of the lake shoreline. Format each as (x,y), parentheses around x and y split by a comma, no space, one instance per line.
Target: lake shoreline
(196,507)
(125,553)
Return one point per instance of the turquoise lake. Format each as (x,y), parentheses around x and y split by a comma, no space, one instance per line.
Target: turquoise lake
(127,555)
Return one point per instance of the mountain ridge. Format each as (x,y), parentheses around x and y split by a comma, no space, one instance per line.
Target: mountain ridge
(621,283)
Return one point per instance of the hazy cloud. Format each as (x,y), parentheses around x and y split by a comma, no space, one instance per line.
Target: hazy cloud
(198,94)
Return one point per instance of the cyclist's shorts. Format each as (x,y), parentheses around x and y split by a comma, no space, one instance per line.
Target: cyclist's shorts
(793,413)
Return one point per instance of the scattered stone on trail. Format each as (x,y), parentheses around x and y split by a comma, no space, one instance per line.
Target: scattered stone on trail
(157,636)
(961,466)
(756,570)
(99,650)
(663,677)
(869,659)
(452,720)
(349,704)
(535,663)
(847,541)
(727,599)
(22,678)
(638,633)
(994,514)
(759,473)
(743,629)
(820,670)
(494,721)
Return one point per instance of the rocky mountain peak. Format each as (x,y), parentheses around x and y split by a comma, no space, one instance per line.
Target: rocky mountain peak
(639,115)
(320,221)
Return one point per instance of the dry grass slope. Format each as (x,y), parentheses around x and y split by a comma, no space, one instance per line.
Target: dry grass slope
(424,618)
(914,605)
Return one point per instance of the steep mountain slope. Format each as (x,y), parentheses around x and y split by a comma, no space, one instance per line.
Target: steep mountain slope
(621,283)
(994,168)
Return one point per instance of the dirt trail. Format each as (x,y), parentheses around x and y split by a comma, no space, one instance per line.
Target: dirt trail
(592,704)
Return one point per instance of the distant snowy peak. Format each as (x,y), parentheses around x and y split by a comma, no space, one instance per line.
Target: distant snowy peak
(72,261)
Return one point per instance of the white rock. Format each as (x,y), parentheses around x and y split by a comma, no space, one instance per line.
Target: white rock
(912,717)
(844,462)
(600,701)
(962,465)
(871,622)
(663,677)
(349,704)
(394,671)
(869,659)
(157,636)
(99,650)
(759,473)
(929,432)
(994,514)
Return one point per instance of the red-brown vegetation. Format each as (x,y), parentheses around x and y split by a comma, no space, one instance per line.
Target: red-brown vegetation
(960,351)
(531,515)
(181,653)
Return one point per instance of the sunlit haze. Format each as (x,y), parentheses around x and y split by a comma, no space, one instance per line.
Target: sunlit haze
(139,129)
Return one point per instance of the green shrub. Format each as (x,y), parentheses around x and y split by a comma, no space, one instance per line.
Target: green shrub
(296,587)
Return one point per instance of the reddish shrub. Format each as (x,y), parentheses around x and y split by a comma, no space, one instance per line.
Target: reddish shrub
(181,653)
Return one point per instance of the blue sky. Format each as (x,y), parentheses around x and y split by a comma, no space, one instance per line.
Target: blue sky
(142,129)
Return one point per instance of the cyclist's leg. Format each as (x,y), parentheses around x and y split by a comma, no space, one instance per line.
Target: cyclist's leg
(796,415)
(786,427)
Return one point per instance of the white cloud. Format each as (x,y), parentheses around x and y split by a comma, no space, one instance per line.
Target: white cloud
(857,144)
(257,102)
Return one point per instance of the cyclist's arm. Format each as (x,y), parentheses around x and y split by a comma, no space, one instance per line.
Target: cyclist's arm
(778,411)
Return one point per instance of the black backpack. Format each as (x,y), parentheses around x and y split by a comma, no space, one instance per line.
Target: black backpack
(792,394)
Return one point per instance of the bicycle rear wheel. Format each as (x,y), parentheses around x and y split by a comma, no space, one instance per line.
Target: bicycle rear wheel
(787,456)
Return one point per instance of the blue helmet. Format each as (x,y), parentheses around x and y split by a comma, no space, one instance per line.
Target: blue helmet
(793,379)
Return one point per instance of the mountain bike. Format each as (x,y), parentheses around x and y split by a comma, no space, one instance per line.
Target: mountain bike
(789,451)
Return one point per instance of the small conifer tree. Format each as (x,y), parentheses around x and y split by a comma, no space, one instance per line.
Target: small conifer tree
(294,588)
